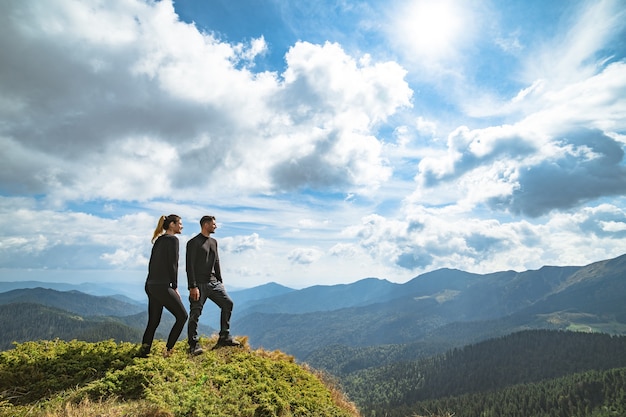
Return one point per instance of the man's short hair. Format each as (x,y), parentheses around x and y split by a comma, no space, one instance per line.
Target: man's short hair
(206,219)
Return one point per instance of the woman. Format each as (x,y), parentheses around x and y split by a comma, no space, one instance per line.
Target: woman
(162,283)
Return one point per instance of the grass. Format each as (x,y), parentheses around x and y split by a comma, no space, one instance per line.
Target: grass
(80,379)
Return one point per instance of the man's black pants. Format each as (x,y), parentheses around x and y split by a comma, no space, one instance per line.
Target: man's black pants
(215,292)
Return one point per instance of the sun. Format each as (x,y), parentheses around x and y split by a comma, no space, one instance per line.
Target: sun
(430,29)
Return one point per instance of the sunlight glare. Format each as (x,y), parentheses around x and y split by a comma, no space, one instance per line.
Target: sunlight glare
(431,28)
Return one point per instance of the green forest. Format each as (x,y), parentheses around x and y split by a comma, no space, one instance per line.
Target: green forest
(529,373)
(39,322)
(588,394)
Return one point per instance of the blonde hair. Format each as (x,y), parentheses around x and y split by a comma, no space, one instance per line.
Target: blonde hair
(163,225)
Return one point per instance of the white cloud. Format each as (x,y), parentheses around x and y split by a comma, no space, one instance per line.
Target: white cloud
(304,255)
(426,127)
(512,156)
(44,238)
(597,101)
(238,244)
(153,107)
(576,52)
(564,76)
(612,226)
(343,250)
(568,137)
(515,170)
(126,258)
(436,238)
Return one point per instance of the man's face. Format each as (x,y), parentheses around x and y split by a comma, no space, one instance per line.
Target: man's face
(211,226)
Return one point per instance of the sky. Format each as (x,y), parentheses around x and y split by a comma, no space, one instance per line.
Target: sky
(334,140)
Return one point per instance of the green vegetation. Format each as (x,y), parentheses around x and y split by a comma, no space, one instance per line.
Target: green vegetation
(449,342)
(530,373)
(35,322)
(76,378)
(588,394)
(40,322)
(74,301)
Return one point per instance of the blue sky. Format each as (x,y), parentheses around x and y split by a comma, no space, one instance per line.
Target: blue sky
(333,140)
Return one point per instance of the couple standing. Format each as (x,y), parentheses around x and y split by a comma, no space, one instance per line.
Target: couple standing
(204,280)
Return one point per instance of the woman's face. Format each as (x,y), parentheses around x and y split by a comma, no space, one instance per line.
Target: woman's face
(176,227)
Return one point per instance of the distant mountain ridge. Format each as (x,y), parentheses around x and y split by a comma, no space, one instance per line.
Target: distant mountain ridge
(441,285)
(321,297)
(399,347)
(39,322)
(265,291)
(43,313)
(74,301)
(438,305)
(434,311)
(130,292)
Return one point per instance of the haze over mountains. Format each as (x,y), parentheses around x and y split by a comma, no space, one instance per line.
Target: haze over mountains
(452,306)
(437,310)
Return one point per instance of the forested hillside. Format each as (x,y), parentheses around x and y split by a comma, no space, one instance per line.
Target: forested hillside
(447,340)
(448,307)
(131,292)
(73,301)
(588,394)
(20,322)
(529,357)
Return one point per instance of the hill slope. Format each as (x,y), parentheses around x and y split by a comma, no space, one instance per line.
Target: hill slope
(74,301)
(451,306)
(271,289)
(22,322)
(528,357)
(39,322)
(55,378)
(323,297)
(435,311)
(131,292)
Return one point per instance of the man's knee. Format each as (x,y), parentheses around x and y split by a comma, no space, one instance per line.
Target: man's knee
(194,314)
(226,304)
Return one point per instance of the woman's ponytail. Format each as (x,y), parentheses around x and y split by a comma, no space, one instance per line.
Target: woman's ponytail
(159,229)
(163,225)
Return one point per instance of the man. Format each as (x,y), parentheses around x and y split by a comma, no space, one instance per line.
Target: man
(204,279)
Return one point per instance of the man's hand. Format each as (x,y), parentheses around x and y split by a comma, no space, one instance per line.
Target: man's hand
(194,294)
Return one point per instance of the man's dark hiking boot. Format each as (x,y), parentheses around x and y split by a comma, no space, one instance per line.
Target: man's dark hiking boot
(227,341)
(195,350)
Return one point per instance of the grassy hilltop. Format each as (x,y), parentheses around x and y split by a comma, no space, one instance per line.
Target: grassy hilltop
(79,379)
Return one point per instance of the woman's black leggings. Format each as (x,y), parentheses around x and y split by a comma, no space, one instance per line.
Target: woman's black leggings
(160,296)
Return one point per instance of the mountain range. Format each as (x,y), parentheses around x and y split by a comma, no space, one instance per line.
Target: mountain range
(445,340)
(450,306)
(74,301)
(429,314)
(31,314)
(129,291)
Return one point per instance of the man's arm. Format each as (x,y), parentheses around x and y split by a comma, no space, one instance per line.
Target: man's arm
(192,249)
(216,265)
